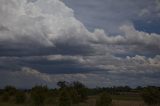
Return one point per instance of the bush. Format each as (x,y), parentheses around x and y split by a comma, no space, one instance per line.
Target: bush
(5,97)
(75,97)
(65,99)
(52,97)
(38,95)
(104,99)
(151,96)
(20,97)
(81,90)
(11,90)
(76,90)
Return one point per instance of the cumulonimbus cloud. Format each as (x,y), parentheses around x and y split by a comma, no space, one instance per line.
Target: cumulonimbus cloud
(51,25)
(50,21)
(42,22)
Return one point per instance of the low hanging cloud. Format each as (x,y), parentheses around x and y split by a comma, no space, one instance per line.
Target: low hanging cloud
(28,77)
(41,40)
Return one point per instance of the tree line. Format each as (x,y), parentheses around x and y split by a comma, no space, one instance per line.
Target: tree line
(69,93)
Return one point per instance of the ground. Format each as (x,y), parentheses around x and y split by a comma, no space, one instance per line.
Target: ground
(118,100)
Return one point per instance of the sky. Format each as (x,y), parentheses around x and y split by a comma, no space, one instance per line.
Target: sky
(97,42)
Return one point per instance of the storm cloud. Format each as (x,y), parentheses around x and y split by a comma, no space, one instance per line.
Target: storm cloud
(44,41)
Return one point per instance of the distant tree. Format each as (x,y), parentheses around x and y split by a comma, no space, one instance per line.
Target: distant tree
(81,90)
(139,88)
(62,84)
(151,96)
(20,97)
(76,90)
(8,92)
(64,98)
(104,99)
(126,89)
(39,94)
(11,90)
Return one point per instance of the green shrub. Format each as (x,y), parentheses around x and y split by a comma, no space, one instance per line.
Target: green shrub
(81,90)
(52,97)
(38,95)
(20,97)
(65,99)
(104,99)
(75,97)
(151,96)
(76,90)
(11,90)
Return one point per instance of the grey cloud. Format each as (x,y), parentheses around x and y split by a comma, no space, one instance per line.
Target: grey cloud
(33,77)
(42,41)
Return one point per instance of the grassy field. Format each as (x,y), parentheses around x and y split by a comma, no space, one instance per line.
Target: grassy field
(118,100)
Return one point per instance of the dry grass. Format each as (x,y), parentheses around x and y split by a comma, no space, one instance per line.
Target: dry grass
(92,102)
(128,103)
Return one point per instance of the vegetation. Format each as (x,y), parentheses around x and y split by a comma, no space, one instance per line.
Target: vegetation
(20,97)
(8,93)
(151,96)
(104,99)
(38,95)
(77,94)
(77,91)
(11,90)
(5,97)
(65,99)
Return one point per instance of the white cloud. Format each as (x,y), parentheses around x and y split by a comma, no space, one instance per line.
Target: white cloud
(138,37)
(48,22)
(42,22)
(109,63)
(28,72)
(79,59)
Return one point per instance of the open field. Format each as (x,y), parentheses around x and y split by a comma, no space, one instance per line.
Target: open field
(118,101)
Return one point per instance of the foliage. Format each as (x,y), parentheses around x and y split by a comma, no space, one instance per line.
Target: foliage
(20,97)
(38,95)
(65,99)
(75,97)
(11,90)
(75,94)
(62,84)
(104,99)
(151,96)
(77,91)
(52,97)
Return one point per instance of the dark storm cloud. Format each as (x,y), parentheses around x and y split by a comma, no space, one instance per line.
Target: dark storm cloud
(21,50)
